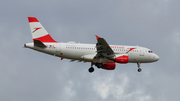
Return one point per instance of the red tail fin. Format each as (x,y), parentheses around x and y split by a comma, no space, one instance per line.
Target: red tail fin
(38,31)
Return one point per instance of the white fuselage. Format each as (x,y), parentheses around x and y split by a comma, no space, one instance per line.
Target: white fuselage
(101,54)
(86,52)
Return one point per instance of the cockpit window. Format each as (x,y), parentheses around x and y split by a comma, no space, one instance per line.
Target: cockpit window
(150,51)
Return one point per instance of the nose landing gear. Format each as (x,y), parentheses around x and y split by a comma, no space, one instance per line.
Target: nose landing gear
(139,69)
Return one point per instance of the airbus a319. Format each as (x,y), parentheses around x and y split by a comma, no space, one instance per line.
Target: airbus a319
(101,54)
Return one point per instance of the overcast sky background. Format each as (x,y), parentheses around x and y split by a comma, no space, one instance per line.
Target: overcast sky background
(27,75)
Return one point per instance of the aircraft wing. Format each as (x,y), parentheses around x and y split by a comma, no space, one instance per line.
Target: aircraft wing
(103,48)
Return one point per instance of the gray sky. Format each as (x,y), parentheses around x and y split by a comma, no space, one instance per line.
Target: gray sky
(27,75)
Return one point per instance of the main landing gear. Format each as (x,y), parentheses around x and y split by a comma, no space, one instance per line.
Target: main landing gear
(98,65)
(91,69)
(139,69)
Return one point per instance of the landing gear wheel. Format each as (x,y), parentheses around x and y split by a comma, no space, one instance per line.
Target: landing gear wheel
(139,69)
(91,69)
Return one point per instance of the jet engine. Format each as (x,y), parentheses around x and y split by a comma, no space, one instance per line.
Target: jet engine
(109,66)
(122,58)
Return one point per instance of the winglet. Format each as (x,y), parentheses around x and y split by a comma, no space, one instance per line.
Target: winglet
(97,37)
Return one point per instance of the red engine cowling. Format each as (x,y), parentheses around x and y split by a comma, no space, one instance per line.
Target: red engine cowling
(122,59)
(109,66)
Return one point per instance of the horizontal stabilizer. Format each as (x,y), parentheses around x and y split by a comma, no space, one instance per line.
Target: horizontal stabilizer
(38,43)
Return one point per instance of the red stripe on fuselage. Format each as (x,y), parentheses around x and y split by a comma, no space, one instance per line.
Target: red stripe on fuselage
(32,19)
(46,38)
(130,50)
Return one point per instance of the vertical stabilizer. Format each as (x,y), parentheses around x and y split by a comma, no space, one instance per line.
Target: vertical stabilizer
(38,31)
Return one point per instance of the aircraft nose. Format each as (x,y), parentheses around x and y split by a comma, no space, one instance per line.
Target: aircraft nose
(156,57)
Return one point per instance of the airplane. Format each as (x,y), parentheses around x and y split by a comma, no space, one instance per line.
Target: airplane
(101,54)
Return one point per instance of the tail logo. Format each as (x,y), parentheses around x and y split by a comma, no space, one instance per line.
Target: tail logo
(37,29)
